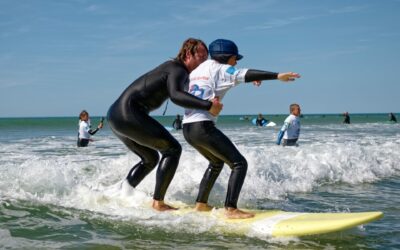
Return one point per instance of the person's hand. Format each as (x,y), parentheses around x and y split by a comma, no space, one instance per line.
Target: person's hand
(288,76)
(100,125)
(216,106)
(257,83)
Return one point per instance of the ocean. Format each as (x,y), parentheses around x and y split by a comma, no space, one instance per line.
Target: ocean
(54,195)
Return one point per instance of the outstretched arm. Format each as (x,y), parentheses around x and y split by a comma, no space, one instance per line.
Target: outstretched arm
(253,75)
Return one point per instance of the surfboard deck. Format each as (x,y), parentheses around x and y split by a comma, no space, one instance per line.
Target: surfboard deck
(278,223)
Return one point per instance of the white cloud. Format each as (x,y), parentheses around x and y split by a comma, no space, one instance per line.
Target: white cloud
(348,9)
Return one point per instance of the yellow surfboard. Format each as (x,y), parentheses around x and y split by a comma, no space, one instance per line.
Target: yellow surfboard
(280,223)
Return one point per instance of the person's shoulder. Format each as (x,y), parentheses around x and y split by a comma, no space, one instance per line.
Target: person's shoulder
(83,124)
(173,66)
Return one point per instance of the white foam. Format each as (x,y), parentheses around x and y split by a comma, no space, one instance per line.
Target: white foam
(52,170)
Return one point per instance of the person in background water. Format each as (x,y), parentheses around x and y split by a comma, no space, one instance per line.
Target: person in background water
(260,120)
(392,117)
(290,130)
(212,79)
(85,130)
(130,121)
(177,124)
(346,118)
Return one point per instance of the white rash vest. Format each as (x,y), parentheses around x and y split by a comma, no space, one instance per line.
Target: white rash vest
(291,127)
(84,128)
(209,80)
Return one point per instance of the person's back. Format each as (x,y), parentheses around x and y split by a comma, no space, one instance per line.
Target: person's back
(210,80)
(150,90)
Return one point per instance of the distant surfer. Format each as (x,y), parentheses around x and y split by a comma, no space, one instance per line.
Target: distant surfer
(392,117)
(177,124)
(130,121)
(85,131)
(290,130)
(346,118)
(212,79)
(260,121)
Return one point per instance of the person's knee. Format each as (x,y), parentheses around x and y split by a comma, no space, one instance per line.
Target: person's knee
(151,160)
(216,166)
(174,149)
(240,164)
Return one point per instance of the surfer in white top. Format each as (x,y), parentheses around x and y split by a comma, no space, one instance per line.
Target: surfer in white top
(85,130)
(290,130)
(212,79)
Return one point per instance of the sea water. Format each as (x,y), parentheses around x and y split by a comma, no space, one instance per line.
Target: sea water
(55,195)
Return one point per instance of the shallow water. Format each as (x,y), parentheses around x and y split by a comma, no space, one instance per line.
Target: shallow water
(54,195)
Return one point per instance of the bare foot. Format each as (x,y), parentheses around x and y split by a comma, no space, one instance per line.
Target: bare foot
(234,213)
(161,206)
(202,207)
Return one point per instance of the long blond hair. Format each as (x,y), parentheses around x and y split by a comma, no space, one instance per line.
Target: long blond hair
(191,45)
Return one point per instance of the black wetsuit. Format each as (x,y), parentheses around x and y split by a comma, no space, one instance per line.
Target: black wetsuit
(177,124)
(393,118)
(260,122)
(129,119)
(218,149)
(346,119)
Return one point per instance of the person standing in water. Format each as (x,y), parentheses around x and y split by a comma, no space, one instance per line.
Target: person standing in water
(130,121)
(346,118)
(260,121)
(392,117)
(290,130)
(212,79)
(177,124)
(85,131)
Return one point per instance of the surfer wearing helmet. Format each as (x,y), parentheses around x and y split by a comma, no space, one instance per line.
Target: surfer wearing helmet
(212,79)
(130,121)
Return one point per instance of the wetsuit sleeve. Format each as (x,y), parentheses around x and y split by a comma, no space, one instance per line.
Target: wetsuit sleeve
(176,90)
(260,75)
(92,132)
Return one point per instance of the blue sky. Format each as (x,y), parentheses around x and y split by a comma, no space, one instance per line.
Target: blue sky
(59,57)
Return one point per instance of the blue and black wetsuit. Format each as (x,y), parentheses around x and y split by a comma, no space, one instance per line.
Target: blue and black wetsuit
(129,119)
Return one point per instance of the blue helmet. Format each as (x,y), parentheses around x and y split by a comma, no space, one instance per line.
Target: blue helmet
(224,47)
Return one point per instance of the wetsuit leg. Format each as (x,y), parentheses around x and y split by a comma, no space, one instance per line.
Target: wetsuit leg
(137,128)
(289,142)
(82,142)
(217,148)
(210,175)
(149,159)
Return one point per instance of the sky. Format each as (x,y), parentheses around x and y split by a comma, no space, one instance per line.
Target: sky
(60,57)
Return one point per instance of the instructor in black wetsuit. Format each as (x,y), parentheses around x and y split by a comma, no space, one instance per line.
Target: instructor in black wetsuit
(129,117)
